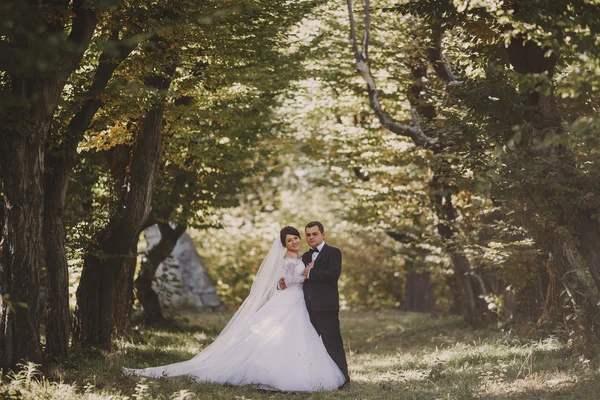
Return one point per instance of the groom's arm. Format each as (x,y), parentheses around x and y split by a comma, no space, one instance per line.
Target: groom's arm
(331,274)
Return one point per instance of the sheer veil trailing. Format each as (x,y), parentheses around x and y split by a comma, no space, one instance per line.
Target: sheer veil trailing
(263,288)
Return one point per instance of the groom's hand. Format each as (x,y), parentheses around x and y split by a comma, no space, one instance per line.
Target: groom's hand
(282,284)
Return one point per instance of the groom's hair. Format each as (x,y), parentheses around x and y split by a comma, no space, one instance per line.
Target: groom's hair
(288,230)
(316,223)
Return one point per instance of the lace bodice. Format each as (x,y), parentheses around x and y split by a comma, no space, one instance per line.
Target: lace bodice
(293,269)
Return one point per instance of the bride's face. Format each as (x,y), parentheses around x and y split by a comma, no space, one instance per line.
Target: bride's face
(292,242)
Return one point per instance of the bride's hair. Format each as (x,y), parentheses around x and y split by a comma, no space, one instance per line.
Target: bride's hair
(288,230)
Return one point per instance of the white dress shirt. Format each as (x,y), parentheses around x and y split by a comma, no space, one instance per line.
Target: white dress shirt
(315,255)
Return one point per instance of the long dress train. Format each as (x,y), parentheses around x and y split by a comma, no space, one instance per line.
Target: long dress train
(279,348)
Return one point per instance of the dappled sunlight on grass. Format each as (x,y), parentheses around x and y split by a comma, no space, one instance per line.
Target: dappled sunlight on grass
(391,355)
(495,365)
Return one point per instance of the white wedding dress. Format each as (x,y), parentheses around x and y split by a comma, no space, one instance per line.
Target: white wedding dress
(275,347)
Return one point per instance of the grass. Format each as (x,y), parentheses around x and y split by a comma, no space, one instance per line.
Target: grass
(391,354)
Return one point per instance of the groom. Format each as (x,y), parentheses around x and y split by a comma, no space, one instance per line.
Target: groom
(324,265)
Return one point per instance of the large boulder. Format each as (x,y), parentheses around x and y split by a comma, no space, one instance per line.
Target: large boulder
(182,279)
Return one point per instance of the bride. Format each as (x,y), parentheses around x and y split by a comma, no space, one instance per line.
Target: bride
(270,340)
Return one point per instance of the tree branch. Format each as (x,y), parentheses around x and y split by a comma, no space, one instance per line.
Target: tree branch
(84,23)
(107,65)
(367,30)
(61,157)
(440,62)
(414,132)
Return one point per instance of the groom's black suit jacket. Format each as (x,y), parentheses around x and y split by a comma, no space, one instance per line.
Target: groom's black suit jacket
(321,287)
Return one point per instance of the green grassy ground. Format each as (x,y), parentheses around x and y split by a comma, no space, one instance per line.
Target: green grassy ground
(392,355)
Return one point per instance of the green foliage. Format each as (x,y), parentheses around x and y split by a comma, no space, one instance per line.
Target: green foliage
(523,179)
(380,179)
(267,124)
(282,195)
(229,70)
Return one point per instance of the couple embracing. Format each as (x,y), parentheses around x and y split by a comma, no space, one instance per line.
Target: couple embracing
(286,334)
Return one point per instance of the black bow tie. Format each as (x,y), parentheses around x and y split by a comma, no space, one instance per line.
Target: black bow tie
(315,250)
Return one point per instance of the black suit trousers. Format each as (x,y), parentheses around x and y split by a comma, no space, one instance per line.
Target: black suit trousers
(327,325)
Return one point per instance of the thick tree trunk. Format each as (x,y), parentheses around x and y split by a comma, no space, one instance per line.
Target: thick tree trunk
(572,255)
(565,263)
(418,293)
(60,161)
(123,299)
(93,283)
(1,202)
(23,135)
(152,312)
(574,250)
(57,315)
(21,244)
(95,295)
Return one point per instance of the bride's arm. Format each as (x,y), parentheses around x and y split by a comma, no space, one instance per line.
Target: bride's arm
(290,276)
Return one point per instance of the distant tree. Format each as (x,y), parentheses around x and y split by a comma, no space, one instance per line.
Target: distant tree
(505,130)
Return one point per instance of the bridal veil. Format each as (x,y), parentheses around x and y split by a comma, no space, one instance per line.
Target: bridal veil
(263,288)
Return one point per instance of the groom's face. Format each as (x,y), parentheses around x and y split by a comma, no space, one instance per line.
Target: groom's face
(314,237)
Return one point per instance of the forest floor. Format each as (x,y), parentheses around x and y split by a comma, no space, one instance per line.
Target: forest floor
(391,355)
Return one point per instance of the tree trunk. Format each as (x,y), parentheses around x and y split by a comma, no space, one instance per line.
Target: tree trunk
(441,197)
(1,202)
(588,244)
(57,315)
(152,313)
(452,284)
(462,273)
(60,161)
(419,293)
(568,269)
(21,244)
(95,295)
(572,255)
(123,299)
(568,261)
(442,193)
(23,135)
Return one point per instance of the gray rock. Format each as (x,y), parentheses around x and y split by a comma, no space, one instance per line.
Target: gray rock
(182,279)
